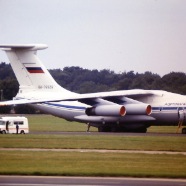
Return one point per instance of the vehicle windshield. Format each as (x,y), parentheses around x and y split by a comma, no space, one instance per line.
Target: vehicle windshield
(2,122)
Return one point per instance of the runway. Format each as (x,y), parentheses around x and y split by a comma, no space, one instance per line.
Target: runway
(86,181)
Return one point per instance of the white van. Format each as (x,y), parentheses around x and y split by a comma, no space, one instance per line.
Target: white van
(13,125)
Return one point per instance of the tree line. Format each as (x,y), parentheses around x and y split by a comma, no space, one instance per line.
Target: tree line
(82,80)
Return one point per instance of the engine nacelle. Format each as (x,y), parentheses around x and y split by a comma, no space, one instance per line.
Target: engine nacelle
(106,110)
(138,109)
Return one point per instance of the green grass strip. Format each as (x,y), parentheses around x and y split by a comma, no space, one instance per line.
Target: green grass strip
(154,143)
(92,164)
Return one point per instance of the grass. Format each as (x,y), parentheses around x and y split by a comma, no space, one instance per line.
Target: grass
(45,123)
(162,143)
(90,164)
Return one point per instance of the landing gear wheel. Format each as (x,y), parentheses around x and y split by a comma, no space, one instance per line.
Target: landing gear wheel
(114,129)
(143,130)
(183,130)
(100,129)
(104,129)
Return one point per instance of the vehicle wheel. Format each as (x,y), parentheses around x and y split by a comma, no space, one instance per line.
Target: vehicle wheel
(183,130)
(22,132)
(3,132)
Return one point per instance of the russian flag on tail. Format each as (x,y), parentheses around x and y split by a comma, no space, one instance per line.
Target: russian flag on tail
(34,69)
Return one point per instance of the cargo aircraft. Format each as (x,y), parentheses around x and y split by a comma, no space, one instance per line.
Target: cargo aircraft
(125,110)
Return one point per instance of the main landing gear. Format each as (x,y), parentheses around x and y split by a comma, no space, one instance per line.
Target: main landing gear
(183,131)
(120,129)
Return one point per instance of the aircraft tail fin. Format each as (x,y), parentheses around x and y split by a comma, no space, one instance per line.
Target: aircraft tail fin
(29,70)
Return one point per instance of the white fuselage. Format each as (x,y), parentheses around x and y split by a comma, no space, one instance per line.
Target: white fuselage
(165,107)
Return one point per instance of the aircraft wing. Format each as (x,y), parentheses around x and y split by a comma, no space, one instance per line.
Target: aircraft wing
(84,98)
(117,94)
(24,46)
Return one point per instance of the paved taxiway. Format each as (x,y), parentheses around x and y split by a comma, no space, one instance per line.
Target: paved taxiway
(86,181)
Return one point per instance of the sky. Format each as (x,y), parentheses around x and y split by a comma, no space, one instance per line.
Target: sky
(120,35)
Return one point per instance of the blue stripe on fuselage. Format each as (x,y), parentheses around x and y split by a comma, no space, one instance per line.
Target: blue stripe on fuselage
(65,106)
(165,108)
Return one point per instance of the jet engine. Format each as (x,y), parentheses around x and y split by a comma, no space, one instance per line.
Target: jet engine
(138,109)
(106,110)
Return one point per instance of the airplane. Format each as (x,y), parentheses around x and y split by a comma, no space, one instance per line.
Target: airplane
(115,111)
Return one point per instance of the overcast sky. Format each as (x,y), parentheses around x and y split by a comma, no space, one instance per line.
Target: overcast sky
(120,35)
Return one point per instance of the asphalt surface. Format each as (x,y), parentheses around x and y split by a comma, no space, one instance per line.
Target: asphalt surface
(86,181)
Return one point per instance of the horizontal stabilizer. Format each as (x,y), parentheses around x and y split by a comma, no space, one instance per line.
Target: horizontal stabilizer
(23,46)
(20,101)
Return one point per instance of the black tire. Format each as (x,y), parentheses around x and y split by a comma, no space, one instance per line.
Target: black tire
(114,129)
(143,130)
(104,129)
(3,132)
(183,130)
(22,132)
(100,129)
